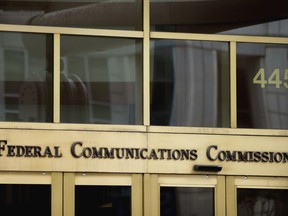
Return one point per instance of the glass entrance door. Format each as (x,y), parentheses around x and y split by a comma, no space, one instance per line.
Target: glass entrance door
(102,194)
(255,196)
(184,195)
(205,195)
(30,194)
(75,194)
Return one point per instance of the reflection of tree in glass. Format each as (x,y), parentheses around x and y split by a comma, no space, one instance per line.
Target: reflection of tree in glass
(266,202)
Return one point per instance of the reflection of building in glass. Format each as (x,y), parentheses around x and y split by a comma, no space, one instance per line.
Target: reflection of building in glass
(186,201)
(257,202)
(262,77)
(138,107)
(82,14)
(276,28)
(108,69)
(190,82)
(99,83)
(220,17)
(24,89)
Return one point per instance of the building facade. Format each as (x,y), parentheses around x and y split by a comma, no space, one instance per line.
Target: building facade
(144,107)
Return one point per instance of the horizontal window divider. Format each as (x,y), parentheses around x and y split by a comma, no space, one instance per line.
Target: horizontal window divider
(216,37)
(140,34)
(142,129)
(71,127)
(72,31)
(217,131)
(25,178)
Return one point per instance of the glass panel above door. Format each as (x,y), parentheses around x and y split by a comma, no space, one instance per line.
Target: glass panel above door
(241,17)
(106,14)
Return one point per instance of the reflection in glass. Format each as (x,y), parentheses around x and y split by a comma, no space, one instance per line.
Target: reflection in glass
(189,83)
(103,200)
(32,200)
(253,17)
(112,14)
(274,29)
(262,87)
(262,202)
(186,201)
(25,77)
(101,80)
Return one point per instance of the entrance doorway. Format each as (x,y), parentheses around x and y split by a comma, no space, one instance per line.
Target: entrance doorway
(27,193)
(257,196)
(202,195)
(183,195)
(103,194)
(75,194)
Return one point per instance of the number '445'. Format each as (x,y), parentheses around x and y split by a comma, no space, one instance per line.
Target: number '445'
(274,78)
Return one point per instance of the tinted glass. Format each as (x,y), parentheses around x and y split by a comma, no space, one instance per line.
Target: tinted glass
(245,17)
(262,86)
(262,202)
(112,14)
(32,200)
(186,201)
(103,200)
(189,83)
(101,80)
(25,77)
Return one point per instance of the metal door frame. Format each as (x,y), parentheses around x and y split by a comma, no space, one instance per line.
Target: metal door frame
(44,178)
(234,182)
(133,180)
(153,182)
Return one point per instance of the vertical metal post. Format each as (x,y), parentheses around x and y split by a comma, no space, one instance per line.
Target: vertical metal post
(137,195)
(69,194)
(231,199)
(146,62)
(56,79)
(220,196)
(233,85)
(57,194)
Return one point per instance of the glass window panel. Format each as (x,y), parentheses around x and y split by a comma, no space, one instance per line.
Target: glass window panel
(277,28)
(111,14)
(32,200)
(262,86)
(262,202)
(103,200)
(189,83)
(244,17)
(186,201)
(25,77)
(101,80)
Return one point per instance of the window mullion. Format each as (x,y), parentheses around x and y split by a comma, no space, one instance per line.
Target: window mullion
(56,79)
(146,63)
(233,87)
